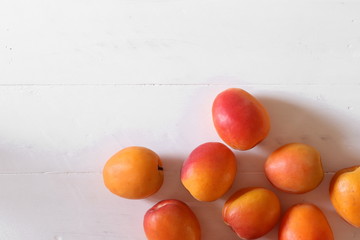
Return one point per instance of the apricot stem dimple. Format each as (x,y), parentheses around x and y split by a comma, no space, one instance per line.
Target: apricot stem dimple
(160,168)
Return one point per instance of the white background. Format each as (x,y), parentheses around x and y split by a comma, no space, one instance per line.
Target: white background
(81,80)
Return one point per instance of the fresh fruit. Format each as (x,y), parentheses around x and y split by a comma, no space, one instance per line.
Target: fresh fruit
(294,168)
(209,171)
(134,173)
(345,194)
(305,222)
(171,220)
(240,119)
(252,212)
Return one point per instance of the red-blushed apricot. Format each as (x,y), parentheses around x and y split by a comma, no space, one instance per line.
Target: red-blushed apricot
(209,171)
(252,212)
(345,194)
(305,221)
(240,119)
(171,220)
(294,168)
(134,173)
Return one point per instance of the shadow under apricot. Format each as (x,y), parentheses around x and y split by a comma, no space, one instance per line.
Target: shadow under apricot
(309,124)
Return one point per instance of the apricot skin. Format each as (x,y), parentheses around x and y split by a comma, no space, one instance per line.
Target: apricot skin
(252,212)
(133,173)
(305,221)
(240,119)
(345,194)
(209,171)
(171,220)
(294,168)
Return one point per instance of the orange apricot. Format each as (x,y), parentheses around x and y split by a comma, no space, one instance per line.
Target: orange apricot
(171,220)
(209,171)
(294,168)
(134,173)
(345,194)
(305,221)
(252,212)
(240,119)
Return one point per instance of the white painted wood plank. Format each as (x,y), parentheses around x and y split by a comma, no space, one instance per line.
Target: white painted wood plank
(157,41)
(77,128)
(77,206)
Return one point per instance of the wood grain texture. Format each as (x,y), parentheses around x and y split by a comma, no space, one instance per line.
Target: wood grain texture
(158,41)
(79,80)
(56,139)
(77,206)
(76,128)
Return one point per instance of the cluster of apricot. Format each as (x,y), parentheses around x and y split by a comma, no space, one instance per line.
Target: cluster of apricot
(209,172)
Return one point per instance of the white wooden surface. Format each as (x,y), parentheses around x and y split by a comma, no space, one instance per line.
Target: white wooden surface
(79,80)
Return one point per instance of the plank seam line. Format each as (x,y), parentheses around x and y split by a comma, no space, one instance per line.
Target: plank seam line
(50,173)
(165,84)
(98,173)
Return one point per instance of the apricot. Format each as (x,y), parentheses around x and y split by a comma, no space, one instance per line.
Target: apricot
(294,168)
(134,173)
(345,194)
(240,119)
(209,171)
(252,212)
(305,221)
(171,220)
